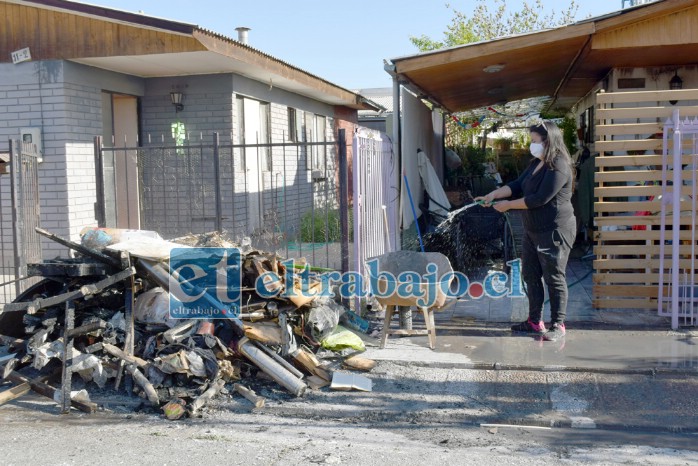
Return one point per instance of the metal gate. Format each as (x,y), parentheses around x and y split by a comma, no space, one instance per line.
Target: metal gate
(293,206)
(376,197)
(20,244)
(677,245)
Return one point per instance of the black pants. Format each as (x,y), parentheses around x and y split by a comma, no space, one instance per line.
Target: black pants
(544,260)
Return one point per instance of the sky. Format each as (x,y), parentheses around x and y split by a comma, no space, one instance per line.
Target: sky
(342,42)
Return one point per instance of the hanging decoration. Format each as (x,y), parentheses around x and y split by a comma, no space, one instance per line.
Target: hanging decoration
(471,124)
(478,122)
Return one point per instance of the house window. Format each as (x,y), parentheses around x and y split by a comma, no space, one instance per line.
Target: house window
(318,161)
(265,135)
(297,125)
(314,130)
(292,126)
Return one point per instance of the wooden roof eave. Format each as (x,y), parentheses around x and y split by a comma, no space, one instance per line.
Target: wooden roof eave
(509,44)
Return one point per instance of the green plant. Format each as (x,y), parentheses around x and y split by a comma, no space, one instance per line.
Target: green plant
(314,225)
(503,143)
(473,158)
(568,126)
(522,139)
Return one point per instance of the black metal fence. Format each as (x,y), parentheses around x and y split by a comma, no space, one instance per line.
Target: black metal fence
(19,216)
(282,197)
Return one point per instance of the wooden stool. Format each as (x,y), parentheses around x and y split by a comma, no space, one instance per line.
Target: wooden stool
(428,313)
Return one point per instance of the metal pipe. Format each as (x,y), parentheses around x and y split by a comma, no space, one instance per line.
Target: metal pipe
(343,199)
(285,364)
(270,367)
(676,225)
(217,182)
(397,146)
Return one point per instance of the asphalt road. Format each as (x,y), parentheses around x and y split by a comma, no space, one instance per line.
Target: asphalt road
(32,434)
(415,415)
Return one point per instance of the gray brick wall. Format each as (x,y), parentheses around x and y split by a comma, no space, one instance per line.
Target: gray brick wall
(64,99)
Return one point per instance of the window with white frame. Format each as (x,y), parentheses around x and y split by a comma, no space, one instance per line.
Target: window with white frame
(319,154)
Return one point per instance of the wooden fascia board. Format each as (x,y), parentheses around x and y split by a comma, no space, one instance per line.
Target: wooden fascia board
(507,44)
(660,8)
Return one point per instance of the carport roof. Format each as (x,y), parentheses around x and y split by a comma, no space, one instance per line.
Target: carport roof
(562,63)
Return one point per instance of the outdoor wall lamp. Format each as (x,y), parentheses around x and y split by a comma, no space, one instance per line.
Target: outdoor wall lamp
(177,101)
(676,83)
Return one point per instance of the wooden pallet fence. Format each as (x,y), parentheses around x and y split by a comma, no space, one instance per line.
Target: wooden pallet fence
(629,142)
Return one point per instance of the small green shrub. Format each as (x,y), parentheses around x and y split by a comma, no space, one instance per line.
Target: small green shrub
(313,228)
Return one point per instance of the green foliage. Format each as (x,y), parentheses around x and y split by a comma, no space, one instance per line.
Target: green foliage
(485,24)
(473,157)
(522,139)
(313,227)
(503,143)
(568,126)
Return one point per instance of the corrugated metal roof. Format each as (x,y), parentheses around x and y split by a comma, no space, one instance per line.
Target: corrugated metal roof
(266,55)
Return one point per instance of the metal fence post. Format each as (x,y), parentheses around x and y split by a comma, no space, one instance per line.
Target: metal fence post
(343,199)
(100,214)
(17,219)
(217,182)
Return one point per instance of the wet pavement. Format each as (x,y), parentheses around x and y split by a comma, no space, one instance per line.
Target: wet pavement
(596,350)
(476,333)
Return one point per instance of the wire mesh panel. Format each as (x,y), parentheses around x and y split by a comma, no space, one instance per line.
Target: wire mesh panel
(280,197)
(7,234)
(20,215)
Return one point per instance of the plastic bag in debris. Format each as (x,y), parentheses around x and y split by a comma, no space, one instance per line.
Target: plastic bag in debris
(181,358)
(341,339)
(153,307)
(100,238)
(323,317)
(88,366)
(118,322)
(354,321)
(80,395)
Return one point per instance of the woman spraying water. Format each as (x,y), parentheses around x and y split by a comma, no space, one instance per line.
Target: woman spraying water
(544,193)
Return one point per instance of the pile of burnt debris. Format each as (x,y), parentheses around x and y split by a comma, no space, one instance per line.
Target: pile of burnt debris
(102,320)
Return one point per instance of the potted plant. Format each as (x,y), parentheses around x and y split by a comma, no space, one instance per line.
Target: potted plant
(503,143)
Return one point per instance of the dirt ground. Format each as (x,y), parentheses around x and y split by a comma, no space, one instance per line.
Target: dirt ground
(414,416)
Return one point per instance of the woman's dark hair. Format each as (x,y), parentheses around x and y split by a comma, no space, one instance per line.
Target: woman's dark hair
(540,129)
(553,143)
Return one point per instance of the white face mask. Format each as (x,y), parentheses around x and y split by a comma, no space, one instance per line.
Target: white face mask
(537,149)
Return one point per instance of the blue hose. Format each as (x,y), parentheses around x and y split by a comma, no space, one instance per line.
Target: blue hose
(414,212)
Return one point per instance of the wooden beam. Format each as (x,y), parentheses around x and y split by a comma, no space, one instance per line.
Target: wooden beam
(603,161)
(626,191)
(612,264)
(630,304)
(609,278)
(645,129)
(50,392)
(630,235)
(647,96)
(637,176)
(624,291)
(639,250)
(647,220)
(632,113)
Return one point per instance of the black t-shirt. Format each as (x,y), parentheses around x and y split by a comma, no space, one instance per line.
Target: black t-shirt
(547,195)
